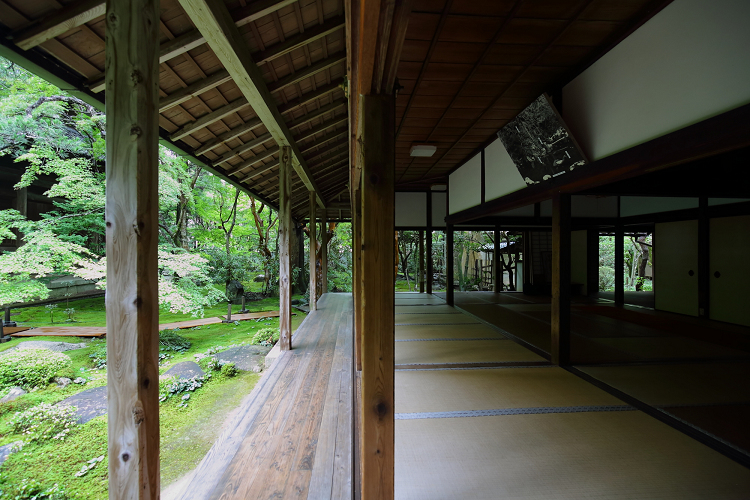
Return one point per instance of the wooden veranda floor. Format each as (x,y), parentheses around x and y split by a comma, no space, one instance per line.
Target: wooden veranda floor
(292,437)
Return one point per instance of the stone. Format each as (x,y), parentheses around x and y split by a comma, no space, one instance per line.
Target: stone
(14,393)
(260,278)
(185,370)
(63,382)
(248,358)
(89,404)
(9,448)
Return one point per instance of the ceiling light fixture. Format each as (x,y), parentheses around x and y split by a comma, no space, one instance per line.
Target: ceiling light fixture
(422,150)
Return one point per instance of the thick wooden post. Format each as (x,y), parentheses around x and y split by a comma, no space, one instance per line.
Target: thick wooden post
(313,253)
(497,266)
(560,347)
(324,252)
(378,174)
(285,264)
(357,278)
(428,237)
(449,265)
(421,262)
(619,264)
(592,261)
(132,207)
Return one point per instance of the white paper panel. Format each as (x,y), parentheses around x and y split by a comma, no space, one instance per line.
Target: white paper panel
(439,209)
(501,176)
(686,64)
(411,209)
(640,205)
(465,185)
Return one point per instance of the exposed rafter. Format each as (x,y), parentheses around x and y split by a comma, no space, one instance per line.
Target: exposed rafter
(213,20)
(57,23)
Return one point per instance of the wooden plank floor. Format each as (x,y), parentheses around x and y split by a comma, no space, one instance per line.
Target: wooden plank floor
(292,437)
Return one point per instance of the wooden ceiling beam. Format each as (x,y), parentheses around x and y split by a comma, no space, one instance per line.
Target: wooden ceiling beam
(58,22)
(307,72)
(213,20)
(316,113)
(343,142)
(209,118)
(308,97)
(320,174)
(247,147)
(321,128)
(192,90)
(301,39)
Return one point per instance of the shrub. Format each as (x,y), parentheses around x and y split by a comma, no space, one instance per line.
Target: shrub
(99,354)
(32,490)
(606,278)
(29,368)
(264,335)
(170,340)
(171,386)
(44,421)
(229,369)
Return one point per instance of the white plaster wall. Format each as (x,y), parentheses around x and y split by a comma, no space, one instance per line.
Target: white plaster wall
(640,205)
(411,209)
(439,209)
(689,62)
(465,185)
(501,176)
(675,255)
(729,246)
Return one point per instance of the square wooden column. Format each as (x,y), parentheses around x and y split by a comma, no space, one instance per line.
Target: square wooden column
(357,275)
(497,266)
(592,261)
(132,207)
(285,264)
(560,346)
(324,252)
(428,243)
(449,277)
(421,261)
(619,264)
(377,410)
(313,252)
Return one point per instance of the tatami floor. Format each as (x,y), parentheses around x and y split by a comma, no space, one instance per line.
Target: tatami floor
(479,415)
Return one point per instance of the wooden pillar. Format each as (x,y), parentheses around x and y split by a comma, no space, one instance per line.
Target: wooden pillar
(132,207)
(449,264)
(428,238)
(421,261)
(324,252)
(313,252)
(619,264)
(378,174)
(560,347)
(357,278)
(497,267)
(592,261)
(703,257)
(285,264)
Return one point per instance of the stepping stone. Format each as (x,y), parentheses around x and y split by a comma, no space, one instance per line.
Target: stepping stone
(6,450)
(248,358)
(89,404)
(185,370)
(13,394)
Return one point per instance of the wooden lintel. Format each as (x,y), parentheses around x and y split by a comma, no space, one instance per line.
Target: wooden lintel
(60,21)
(285,264)
(214,21)
(132,229)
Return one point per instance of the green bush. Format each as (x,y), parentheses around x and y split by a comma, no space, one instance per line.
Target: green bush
(170,340)
(99,354)
(264,334)
(44,422)
(31,490)
(606,278)
(29,368)
(229,369)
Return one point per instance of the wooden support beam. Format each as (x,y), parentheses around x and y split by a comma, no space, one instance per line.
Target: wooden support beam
(428,237)
(497,266)
(296,41)
(332,146)
(378,177)
(421,261)
(301,136)
(58,22)
(307,72)
(256,172)
(313,251)
(592,261)
(316,113)
(449,265)
(132,236)
(244,148)
(309,97)
(560,345)
(213,20)
(324,252)
(357,272)
(619,264)
(194,89)
(209,118)
(285,265)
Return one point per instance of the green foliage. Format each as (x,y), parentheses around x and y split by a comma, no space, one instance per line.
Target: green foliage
(171,340)
(606,279)
(30,489)
(29,368)
(175,386)
(268,335)
(229,370)
(44,422)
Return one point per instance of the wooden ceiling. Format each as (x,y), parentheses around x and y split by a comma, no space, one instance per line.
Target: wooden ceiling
(466,68)
(299,47)
(469,66)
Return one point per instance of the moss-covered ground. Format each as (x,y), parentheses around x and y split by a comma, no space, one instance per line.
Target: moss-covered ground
(187,432)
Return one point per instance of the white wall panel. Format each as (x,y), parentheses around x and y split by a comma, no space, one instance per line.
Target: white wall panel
(411,209)
(501,176)
(640,205)
(729,269)
(439,209)
(465,185)
(676,267)
(686,64)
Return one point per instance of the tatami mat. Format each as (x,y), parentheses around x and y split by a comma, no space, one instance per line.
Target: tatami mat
(531,330)
(418,301)
(470,351)
(674,384)
(455,390)
(656,348)
(420,309)
(468,331)
(597,455)
(433,319)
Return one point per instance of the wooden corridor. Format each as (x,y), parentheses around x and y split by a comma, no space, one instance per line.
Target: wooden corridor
(292,437)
